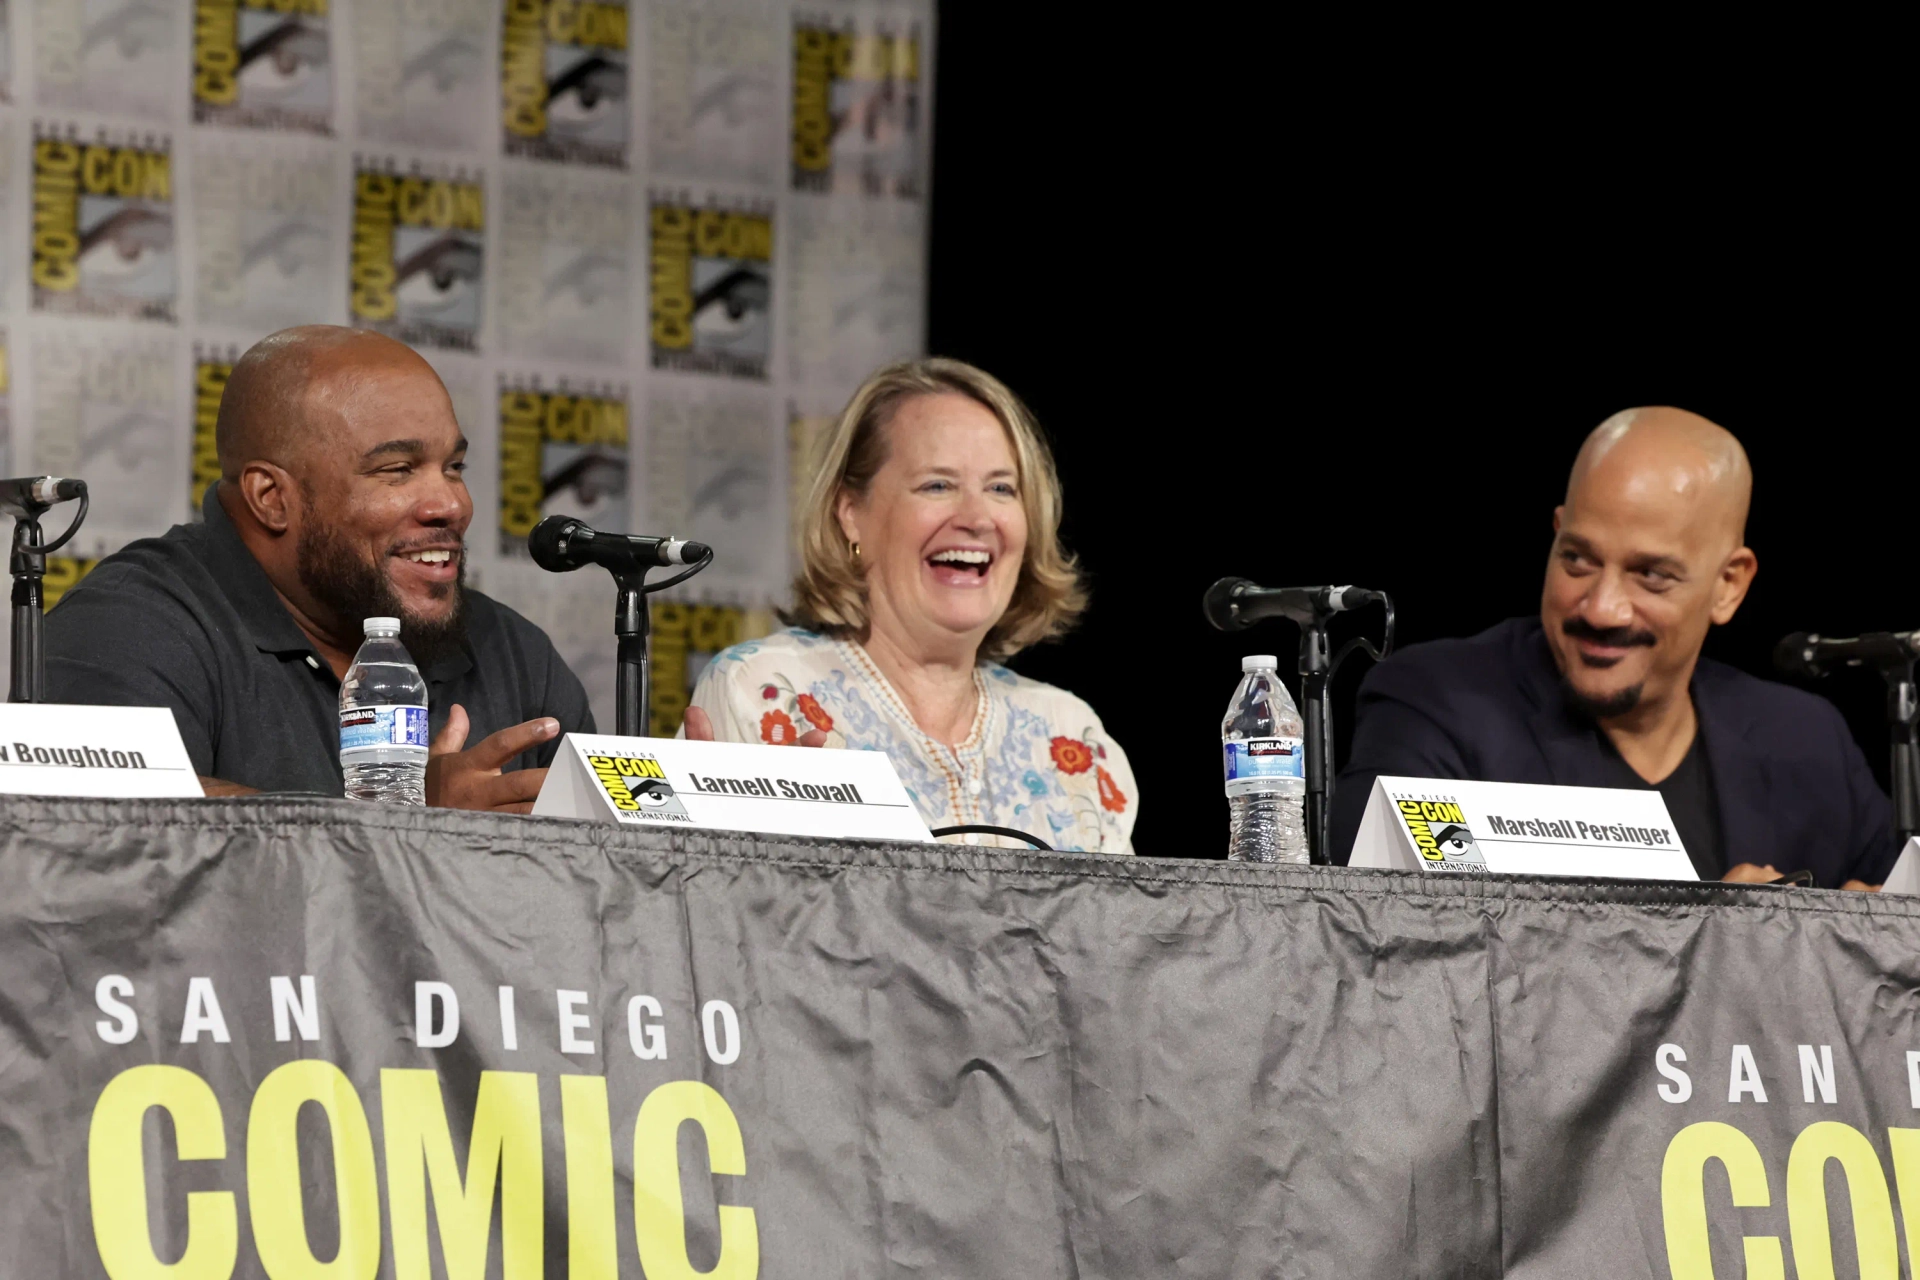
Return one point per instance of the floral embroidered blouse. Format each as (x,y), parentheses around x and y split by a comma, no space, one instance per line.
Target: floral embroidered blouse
(1036,759)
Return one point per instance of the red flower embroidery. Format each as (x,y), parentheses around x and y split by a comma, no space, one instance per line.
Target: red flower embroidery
(1070,755)
(1111,796)
(776,728)
(769,692)
(810,708)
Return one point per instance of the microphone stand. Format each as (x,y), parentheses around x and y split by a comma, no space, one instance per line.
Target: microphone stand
(1317,669)
(1316,674)
(28,564)
(29,567)
(1903,731)
(633,659)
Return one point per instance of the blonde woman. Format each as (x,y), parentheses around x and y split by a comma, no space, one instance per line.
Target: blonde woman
(930,551)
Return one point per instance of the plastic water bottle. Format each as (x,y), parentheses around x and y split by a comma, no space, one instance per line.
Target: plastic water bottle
(1265,756)
(383,720)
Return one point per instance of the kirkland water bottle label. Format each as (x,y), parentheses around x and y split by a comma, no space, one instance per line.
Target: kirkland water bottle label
(1266,758)
(365,727)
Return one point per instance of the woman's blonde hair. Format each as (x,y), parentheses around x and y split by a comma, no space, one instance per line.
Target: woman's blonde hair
(830,593)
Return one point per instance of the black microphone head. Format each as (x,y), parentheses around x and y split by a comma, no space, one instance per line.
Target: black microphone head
(547,540)
(1218,604)
(1794,656)
(693,552)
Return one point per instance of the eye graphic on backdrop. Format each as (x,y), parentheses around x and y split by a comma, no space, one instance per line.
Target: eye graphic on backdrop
(730,307)
(130,441)
(130,30)
(584,283)
(449,62)
(734,492)
(280,63)
(288,248)
(440,276)
(130,249)
(591,478)
(736,99)
(589,100)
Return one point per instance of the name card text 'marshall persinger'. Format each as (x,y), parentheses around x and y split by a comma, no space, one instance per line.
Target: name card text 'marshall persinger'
(1584,832)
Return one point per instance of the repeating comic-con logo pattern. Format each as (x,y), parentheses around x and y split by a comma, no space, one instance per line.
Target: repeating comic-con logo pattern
(563,81)
(212,365)
(856,108)
(419,242)
(712,274)
(562,452)
(103,229)
(263,64)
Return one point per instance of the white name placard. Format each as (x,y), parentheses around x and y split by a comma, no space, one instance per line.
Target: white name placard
(50,749)
(1905,876)
(1437,824)
(735,786)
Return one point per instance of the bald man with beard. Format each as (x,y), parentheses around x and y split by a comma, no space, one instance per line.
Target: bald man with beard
(1607,688)
(342,496)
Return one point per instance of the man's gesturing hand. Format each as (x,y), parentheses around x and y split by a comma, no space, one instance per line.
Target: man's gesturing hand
(471,779)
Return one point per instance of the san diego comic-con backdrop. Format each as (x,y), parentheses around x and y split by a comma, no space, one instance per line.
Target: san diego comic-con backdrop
(650,246)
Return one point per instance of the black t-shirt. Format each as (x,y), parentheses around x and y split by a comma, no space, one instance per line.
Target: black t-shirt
(189,621)
(1691,802)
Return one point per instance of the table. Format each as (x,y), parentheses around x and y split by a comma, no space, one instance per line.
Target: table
(732,1055)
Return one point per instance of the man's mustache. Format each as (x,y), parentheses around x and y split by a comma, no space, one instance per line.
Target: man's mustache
(1612,637)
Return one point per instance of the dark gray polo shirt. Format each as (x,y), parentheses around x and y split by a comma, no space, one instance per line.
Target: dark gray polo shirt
(189,621)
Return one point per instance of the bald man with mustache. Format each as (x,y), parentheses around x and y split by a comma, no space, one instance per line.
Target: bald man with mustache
(1607,688)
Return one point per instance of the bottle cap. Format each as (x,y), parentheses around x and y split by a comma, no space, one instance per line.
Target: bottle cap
(372,625)
(1259,661)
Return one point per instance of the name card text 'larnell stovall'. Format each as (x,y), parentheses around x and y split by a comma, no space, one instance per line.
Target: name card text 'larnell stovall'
(52,749)
(734,786)
(1449,825)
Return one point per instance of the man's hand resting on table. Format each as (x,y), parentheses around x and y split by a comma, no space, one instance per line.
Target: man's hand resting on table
(700,729)
(471,778)
(1747,873)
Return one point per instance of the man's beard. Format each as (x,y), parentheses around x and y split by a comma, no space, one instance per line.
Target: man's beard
(1613,704)
(354,591)
(1603,708)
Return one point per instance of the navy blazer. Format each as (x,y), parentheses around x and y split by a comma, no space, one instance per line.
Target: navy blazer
(1794,789)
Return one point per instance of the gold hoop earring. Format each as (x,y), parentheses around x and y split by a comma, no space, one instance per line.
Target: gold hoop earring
(854,549)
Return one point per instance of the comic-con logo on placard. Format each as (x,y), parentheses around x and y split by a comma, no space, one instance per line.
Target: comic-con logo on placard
(103,224)
(712,271)
(418,241)
(1440,833)
(638,788)
(212,365)
(562,452)
(563,81)
(263,63)
(856,109)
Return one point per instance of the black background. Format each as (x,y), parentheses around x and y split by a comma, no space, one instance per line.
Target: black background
(1355,330)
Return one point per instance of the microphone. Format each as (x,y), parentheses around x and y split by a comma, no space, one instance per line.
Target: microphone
(31,495)
(1232,604)
(561,544)
(1808,654)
